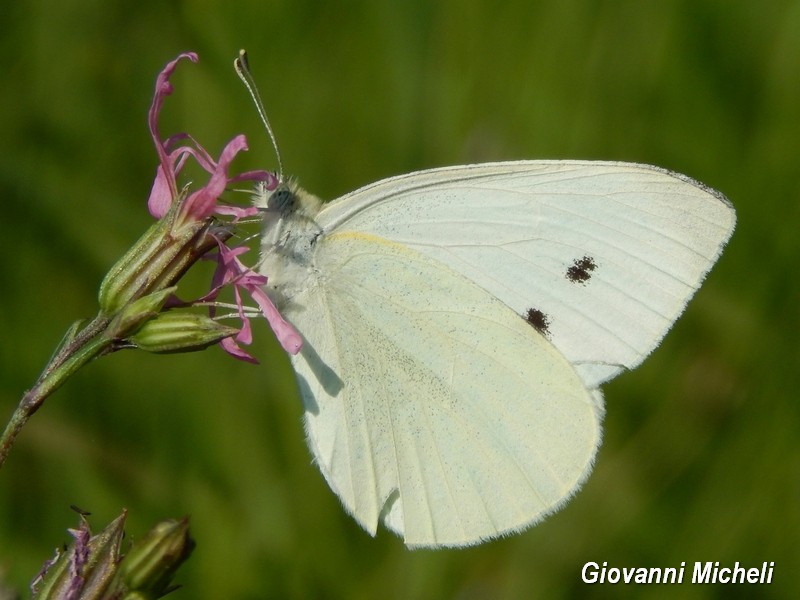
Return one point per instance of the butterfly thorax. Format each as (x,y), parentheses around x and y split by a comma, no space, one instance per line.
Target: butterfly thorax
(289,234)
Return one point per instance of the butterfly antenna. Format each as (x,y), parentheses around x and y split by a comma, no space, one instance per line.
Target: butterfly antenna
(243,71)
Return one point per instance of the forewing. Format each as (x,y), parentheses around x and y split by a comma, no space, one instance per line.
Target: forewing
(602,257)
(429,403)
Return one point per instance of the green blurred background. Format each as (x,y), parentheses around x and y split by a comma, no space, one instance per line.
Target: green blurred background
(701,456)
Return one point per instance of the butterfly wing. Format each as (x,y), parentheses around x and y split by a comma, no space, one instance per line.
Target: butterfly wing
(602,257)
(431,405)
(458,321)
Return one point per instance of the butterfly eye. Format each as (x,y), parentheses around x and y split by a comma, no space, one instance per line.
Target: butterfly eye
(282,200)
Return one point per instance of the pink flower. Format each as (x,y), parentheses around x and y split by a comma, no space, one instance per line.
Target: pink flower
(201,205)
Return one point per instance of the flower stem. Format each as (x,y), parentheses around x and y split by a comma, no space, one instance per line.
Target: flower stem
(77,350)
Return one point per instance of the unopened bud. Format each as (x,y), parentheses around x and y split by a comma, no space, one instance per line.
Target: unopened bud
(85,570)
(150,565)
(92,568)
(175,331)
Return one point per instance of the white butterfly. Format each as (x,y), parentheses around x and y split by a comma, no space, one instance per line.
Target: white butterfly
(458,323)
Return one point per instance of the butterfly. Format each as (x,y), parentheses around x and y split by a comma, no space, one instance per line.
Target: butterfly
(458,324)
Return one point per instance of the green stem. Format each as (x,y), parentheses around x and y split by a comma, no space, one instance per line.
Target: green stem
(132,293)
(86,345)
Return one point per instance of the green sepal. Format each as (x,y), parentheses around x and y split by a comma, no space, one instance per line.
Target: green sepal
(135,314)
(159,258)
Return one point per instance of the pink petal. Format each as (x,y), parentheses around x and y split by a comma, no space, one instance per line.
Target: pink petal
(202,203)
(272,181)
(160,194)
(245,335)
(231,347)
(289,338)
(239,212)
(164,89)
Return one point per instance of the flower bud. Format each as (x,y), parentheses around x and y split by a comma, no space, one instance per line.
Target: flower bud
(92,568)
(150,565)
(175,331)
(104,557)
(85,570)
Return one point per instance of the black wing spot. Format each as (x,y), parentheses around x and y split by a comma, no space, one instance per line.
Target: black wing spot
(581,270)
(539,320)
